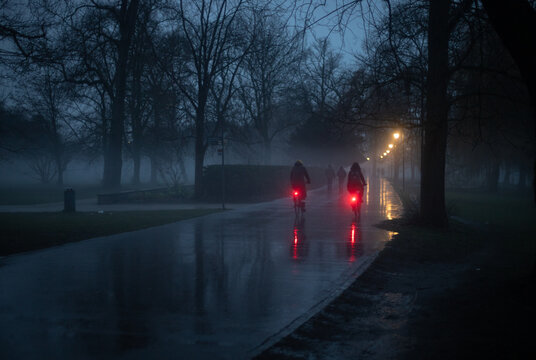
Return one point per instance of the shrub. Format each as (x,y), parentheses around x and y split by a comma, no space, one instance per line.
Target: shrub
(253,182)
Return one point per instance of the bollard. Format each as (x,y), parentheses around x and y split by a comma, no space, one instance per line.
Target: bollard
(68,201)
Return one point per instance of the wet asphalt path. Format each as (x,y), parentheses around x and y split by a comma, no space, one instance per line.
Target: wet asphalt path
(217,287)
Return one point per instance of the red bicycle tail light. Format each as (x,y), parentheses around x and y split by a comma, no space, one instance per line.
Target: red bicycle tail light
(295,193)
(354,199)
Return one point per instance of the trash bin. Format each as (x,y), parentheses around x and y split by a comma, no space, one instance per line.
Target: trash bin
(68,201)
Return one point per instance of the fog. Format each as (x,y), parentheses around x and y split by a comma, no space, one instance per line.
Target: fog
(273,90)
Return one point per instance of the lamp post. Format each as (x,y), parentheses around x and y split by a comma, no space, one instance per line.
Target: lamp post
(396,136)
(222,164)
(403,164)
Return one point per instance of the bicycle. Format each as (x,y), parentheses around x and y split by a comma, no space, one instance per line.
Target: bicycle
(299,205)
(356,200)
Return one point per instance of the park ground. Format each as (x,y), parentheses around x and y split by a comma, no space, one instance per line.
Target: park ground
(465,292)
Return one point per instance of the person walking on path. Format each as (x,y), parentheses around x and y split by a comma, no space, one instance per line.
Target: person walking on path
(341,174)
(330,175)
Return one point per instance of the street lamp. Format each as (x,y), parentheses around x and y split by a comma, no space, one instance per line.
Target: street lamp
(368,159)
(396,135)
(391,146)
(388,151)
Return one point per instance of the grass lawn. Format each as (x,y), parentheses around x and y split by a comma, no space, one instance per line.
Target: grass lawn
(504,211)
(504,221)
(31,231)
(507,220)
(41,194)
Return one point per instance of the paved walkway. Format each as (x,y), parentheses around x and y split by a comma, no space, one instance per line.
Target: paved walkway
(223,286)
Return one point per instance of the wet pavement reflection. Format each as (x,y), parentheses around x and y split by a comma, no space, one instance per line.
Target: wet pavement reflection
(214,287)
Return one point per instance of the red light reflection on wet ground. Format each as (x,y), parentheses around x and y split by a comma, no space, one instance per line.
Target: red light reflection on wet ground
(352,245)
(298,248)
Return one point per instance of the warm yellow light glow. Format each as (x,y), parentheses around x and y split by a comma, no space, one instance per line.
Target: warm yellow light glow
(388,151)
(396,135)
(391,146)
(381,157)
(368,159)
(384,154)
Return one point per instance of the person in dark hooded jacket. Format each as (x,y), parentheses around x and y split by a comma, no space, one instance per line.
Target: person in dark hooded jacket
(356,181)
(298,178)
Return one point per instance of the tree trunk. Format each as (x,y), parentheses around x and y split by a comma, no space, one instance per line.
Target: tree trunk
(59,167)
(154,169)
(60,174)
(515,23)
(396,167)
(522,177)
(113,161)
(184,175)
(493,176)
(137,162)
(435,125)
(507,173)
(267,152)
(199,146)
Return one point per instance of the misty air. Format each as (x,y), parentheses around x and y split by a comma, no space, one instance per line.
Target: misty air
(284,179)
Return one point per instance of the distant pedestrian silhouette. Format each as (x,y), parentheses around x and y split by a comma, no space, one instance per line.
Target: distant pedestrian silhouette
(341,174)
(330,175)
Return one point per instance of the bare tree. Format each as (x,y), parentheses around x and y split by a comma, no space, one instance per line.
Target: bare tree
(206,28)
(18,31)
(49,97)
(125,16)
(515,22)
(94,50)
(269,68)
(324,77)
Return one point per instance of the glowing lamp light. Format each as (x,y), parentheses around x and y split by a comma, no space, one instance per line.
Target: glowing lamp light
(391,146)
(388,151)
(396,135)
(381,157)
(354,199)
(384,154)
(295,193)
(368,159)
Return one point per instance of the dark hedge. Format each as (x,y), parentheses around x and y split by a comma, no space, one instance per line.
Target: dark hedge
(253,182)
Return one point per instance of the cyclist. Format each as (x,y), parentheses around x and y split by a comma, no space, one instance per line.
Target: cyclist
(356,181)
(298,178)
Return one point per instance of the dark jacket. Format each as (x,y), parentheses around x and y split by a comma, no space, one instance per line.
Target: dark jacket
(341,174)
(356,181)
(299,176)
(330,173)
